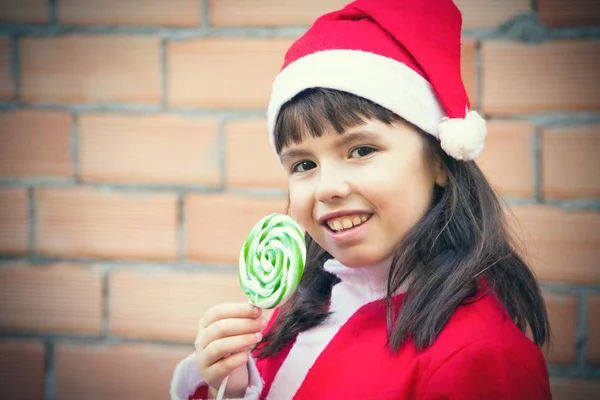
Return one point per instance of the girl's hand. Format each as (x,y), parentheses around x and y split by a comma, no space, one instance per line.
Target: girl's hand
(226,335)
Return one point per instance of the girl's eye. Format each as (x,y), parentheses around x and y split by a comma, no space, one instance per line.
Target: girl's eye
(303,166)
(362,151)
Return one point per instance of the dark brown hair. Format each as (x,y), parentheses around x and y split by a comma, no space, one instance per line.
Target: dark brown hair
(461,240)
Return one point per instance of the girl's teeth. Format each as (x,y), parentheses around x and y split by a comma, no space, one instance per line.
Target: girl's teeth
(339,224)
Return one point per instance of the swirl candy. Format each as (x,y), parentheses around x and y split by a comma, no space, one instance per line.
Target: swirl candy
(272,261)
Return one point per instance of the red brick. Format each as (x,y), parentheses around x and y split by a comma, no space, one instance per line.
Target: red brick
(166,305)
(148,148)
(122,371)
(570,162)
(132,12)
(593,333)
(469,68)
(24,11)
(21,369)
(14,229)
(223,72)
(218,224)
(562,312)
(558,75)
(512,141)
(251,161)
(476,13)
(269,13)
(574,389)
(87,68)
(562,246)
(490,13)
(35,144)
(83,222)
(6,81)
(57,299)
(560,13)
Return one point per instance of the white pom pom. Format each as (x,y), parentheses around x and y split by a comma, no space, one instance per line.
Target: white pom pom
(463,139)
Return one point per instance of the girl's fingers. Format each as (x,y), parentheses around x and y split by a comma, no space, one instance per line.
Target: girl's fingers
(229,327)
(229,310)
(219,370)
(220,349)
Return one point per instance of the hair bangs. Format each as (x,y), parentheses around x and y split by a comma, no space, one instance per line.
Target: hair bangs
(314,112)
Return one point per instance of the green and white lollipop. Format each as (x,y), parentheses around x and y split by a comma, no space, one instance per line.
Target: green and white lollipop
(271,264)
(272,261)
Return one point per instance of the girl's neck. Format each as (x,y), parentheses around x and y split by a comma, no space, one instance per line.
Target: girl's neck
(373,277)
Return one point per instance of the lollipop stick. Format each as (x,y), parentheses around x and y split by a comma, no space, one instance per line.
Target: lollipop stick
(222,388)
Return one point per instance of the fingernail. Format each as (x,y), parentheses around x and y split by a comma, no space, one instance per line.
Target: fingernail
(255,310)
(258,336)
(264,322)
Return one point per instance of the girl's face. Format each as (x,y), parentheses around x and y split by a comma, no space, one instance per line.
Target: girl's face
(358,194)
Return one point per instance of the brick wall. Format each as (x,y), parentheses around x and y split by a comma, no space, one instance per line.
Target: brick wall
(127,184)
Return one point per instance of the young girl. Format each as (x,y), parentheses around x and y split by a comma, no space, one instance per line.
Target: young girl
(412,288)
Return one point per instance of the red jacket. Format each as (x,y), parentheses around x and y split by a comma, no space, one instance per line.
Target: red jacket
(480,354)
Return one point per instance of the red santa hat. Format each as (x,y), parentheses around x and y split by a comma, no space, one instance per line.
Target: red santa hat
(401,54)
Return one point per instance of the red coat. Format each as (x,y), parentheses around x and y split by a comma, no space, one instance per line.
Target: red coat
(480,354)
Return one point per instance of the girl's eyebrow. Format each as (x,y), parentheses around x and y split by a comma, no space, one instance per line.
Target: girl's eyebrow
(293,153)
(358,136)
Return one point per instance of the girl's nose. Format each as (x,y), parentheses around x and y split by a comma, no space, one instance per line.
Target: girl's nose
(332,185)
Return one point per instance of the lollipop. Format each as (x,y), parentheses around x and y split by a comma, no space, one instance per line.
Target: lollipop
(271,264)
(272,261)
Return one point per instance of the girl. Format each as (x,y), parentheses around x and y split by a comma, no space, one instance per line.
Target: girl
(412,287)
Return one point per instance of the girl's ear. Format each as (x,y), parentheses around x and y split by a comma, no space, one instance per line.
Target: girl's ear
(440,172)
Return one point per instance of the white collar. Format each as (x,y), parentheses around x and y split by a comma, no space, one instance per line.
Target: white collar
(373,277)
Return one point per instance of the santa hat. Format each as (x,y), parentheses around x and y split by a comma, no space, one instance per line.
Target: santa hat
(401,54)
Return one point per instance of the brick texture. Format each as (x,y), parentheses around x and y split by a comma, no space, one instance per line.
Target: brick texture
(507,160)
(251,161)
(24,11)
(562,14)
(148,148)
(6,80)
(570,162)
(35,144)
(131,12)
(35,299)
(213,72)
(166,305)
(593,334)
(562,312)
(468,68)
(558,75)
(490,13)
(574,389)
(87,68)
(218,224)
(126,371)
(14,229)
(22,369)
(563,246)
(86,223)
(269,13)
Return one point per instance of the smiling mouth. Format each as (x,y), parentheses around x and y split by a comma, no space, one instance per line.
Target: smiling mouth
(346,222)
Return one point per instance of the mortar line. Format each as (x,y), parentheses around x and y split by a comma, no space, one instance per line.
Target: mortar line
(31,222)
(50,371)
(53,14)
(537,160)
(582,332)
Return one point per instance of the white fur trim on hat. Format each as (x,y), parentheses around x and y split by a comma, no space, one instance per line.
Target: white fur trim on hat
(380,79)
